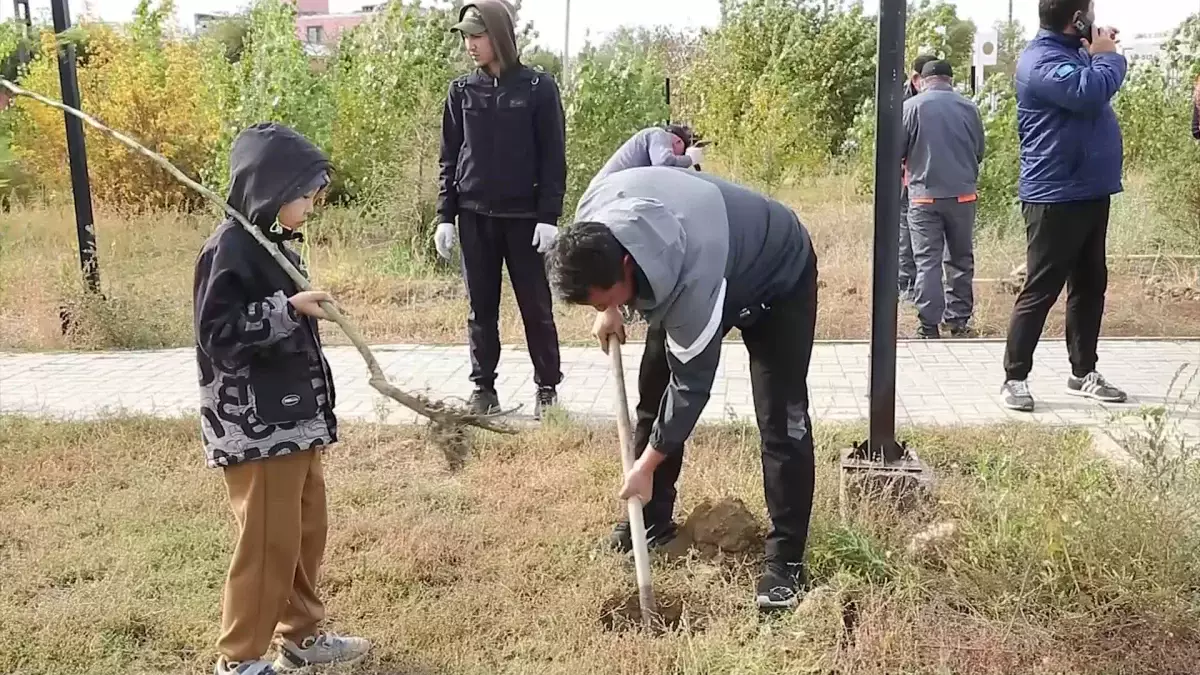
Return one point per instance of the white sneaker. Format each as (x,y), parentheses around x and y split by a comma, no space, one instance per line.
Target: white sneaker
(257,667)
(320,649)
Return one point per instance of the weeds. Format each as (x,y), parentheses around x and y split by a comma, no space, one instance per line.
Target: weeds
(1058,563)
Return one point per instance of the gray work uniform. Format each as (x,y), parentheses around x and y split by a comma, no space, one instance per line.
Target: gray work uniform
(649,147)
(945,145)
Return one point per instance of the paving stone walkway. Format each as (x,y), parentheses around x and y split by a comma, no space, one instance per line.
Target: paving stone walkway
(944,383)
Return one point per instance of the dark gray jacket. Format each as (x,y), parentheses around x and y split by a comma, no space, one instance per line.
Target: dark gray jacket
(707,249)
(945,144)
(265,387)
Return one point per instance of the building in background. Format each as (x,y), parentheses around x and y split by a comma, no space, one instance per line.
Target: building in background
(318,29)
(1144,46)
(202,20)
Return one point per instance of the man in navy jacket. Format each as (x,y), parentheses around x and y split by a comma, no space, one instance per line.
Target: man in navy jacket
(1071,155)
(503,176)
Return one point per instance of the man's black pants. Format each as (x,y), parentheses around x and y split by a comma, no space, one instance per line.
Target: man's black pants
(1066,245)
(486,243)
(780,347)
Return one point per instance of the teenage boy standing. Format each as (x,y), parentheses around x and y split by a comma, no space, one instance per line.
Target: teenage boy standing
(503,176)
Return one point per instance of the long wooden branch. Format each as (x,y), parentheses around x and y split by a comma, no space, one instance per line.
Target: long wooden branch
(438,412)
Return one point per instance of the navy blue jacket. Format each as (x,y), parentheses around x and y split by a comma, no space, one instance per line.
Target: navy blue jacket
(503,146)
(1071,146)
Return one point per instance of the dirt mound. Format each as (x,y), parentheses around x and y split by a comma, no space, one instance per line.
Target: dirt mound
(725,527)
(622,612)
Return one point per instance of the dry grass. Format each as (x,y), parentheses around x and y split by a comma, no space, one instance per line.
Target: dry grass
(115,540)
(396,295)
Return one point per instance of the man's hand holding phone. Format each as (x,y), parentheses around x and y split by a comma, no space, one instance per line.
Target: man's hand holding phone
(1102,41)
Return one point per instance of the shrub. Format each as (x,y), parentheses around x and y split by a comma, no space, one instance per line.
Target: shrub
(139,80)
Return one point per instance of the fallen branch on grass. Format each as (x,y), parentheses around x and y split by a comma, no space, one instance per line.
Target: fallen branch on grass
(449,422)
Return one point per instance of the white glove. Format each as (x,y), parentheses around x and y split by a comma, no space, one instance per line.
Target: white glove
(696,153)
(443,239)
(544,236)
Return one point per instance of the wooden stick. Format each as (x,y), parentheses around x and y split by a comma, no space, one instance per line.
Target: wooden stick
(436,411)
(637,525)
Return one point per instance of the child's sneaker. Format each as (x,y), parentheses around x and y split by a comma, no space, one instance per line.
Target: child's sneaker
(320,649)
(224,667)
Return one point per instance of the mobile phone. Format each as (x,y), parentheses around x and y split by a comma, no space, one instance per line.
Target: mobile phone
(1084,28)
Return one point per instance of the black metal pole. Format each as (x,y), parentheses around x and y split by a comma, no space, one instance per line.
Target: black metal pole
(889,98)
(667,95)
(22,17)
(76,151)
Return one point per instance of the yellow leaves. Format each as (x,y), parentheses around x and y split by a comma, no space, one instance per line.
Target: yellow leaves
(161,95)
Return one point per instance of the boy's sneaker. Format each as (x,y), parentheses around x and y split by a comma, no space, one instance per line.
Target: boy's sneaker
(1017,396)
(318,650)
(224,667)
(781,585)
(1094,386)
(546,397)
(484,401)
(621,538)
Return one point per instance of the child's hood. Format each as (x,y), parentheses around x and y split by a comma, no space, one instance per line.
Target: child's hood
(501,30)
(269,166)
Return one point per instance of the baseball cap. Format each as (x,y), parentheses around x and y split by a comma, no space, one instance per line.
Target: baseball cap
(939,68)
(921,61)
(470,22)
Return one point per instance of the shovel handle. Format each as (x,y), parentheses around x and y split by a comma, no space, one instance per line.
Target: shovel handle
(637,526)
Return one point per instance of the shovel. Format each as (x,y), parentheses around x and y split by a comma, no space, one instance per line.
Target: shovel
(637,527)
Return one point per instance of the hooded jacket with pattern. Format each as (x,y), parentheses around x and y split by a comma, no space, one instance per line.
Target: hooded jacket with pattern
(706,251)
(503,150)
(265,387)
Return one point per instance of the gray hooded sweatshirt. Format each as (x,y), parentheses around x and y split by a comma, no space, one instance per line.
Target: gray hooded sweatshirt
(649,147)
(706,249)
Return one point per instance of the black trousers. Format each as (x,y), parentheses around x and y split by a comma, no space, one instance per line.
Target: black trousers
(1066,245)
(487,243)
(780,347)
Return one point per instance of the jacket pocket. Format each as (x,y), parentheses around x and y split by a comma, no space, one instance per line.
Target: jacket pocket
(281,390)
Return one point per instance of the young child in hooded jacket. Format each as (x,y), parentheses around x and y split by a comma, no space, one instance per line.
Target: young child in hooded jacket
(266,408)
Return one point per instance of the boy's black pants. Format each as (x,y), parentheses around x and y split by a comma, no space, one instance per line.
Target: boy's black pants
(780,347)
(487,243)
(1066,245)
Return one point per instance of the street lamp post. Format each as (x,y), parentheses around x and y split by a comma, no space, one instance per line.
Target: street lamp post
(881,463)
(76,151)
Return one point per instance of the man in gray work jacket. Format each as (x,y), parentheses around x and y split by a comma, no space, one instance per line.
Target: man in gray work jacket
(699,256)
(944,148)
(672,145)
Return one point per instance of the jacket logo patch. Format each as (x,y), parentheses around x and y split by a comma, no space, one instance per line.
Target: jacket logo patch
(1065,69)
(291,400)
(518,103)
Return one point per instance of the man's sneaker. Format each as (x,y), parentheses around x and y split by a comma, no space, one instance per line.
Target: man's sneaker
(1093,385)
(928,333)
(781,585)
(484,401)
(1016,396)
(657,536)
(320,649)
(547,397)
(962,330)
(224,667)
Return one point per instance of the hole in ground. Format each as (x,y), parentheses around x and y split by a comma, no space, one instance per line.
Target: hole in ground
(623,613)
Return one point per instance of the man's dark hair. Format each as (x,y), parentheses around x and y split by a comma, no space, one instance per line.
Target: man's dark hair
(918,63)
(586,255)
(1055,15)
(684,132)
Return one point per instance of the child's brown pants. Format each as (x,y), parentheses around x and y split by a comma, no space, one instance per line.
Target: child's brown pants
(279,504)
